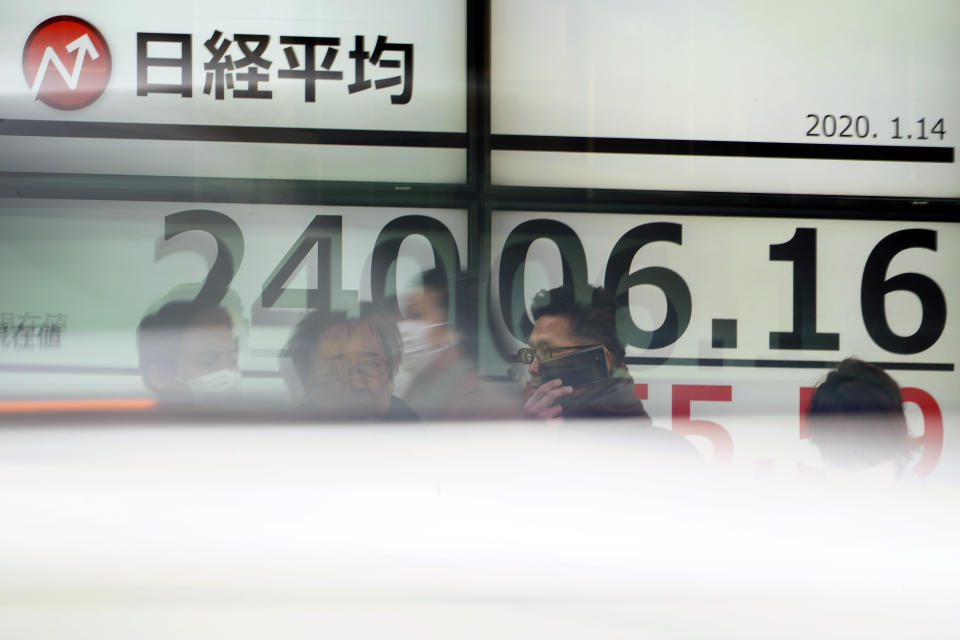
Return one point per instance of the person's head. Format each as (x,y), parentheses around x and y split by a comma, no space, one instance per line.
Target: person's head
(187,352)
(346,367)
(563,324)
(856,417)
(425,309)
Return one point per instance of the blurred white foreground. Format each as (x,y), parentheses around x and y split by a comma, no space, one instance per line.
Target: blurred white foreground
(293,531)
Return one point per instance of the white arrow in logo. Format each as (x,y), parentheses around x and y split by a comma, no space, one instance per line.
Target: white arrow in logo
(85,46)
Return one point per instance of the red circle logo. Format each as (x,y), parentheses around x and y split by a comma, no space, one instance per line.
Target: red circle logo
(66,62)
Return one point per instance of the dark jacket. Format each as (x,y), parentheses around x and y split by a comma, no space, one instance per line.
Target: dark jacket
(614,399)
(610,398)
(400,412)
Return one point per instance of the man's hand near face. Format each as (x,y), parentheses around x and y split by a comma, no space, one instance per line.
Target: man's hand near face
(568,321)
(543,403)
(551,335)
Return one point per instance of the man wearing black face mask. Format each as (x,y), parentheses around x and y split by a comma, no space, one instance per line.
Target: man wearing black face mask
(188,354)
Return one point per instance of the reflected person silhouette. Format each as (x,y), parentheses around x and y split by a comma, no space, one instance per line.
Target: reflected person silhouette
(437,377)
(856,419)
(345,368)
(188,354)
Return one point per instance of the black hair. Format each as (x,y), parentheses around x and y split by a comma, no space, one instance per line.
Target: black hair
(436,281)
(856,386)
(856,416)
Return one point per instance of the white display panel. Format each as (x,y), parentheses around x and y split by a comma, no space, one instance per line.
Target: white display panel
(741,95)
(764,309)
(79,276)
(333,90)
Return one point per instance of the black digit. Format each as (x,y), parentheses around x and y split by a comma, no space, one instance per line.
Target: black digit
(326,232)
(866,126)
(833,126)
(923,133)
(618,280)
(383,269)
(513,259)
(801,250)
(938,128)
(843,132)
(816,120)
(896,128)
(229,240)
(875,286)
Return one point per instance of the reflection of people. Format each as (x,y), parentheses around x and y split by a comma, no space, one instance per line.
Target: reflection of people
(437,379)
(188,353)
(564,325)
(425,330)
(346,367)
(856,418)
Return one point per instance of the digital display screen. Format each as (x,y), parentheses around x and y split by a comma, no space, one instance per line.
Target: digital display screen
(249,158)
(851,98)
(343,92)
(91,271)
(743,316)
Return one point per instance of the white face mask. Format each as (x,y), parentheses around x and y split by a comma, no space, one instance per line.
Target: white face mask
(215,383)
(415,335)
(418,352)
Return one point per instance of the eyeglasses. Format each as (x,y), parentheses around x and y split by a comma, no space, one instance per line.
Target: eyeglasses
(527,354)
(373,368)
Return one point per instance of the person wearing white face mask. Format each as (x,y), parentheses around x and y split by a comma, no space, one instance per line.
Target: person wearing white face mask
(188,355)
(436,378)
(422,344)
